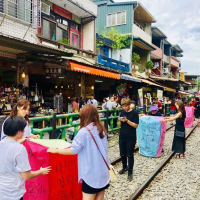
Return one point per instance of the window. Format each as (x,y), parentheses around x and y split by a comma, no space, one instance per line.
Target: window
(61,34)
(20,9)
(116,18)
(49,29)
(54,31)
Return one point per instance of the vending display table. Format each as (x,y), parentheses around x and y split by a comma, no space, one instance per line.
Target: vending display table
(151,135)
(62,181)
(189,120)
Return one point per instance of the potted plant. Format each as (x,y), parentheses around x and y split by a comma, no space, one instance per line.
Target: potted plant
(136,60)
(149,66)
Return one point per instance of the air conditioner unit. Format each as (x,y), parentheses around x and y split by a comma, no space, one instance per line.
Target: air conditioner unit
(156,64)
(45,8)
(165,70)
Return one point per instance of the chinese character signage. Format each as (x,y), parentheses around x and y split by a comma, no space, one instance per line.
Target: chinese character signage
(160,94)
(55,72)
(182,76)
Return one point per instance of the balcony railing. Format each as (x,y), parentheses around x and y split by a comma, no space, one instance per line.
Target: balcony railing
(158,52)
(174,62)
(67,47)
(166,58)
(114,64)
(139,31)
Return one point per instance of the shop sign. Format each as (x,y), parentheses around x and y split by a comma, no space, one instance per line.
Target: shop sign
(122,89)
(53,72)
(160,94)
(146,89)
(140,93)
(182,76)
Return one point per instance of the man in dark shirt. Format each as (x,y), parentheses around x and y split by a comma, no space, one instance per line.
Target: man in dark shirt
(128,122)
(197,110)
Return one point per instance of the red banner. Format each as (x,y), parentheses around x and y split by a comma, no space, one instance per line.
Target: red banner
(62,12)
(62,181)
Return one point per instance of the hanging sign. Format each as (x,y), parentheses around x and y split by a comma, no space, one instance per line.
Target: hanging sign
(55,72)
(122,89)
(160,94)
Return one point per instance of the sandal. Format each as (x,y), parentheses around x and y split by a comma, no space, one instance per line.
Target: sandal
(182,156)
(177,155)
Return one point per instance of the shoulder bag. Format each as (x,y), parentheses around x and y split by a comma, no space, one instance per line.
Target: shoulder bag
(112,172)
(179,134)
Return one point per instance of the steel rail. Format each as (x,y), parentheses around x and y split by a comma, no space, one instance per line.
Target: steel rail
(117,160)
(139,191)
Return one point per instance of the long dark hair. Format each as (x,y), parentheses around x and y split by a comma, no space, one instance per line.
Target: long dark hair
(181,108)
(21,103)
(89,114)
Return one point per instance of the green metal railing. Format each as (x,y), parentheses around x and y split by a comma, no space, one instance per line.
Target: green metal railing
(111,118)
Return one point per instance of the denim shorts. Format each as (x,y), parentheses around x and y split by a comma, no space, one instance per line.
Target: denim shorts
(172,112)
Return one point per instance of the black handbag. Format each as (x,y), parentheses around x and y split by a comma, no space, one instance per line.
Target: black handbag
(179,134)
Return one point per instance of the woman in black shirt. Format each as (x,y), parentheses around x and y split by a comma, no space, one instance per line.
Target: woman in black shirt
(178,145)
(128,122)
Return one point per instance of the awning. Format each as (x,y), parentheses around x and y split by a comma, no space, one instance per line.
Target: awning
(129,78)
(94,71)
(164,79)
(169,89)
(147,81)
(142,44)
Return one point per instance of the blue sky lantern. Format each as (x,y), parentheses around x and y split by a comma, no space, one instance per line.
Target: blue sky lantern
(150,136)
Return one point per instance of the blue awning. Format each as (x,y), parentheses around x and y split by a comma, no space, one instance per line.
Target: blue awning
(129,78)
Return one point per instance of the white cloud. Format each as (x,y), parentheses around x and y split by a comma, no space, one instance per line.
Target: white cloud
(180,21)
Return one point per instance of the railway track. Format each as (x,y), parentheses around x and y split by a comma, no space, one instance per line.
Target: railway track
(117,160)
(145,184)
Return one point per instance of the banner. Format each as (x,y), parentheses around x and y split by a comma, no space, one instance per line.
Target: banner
(151,135)
(62,181)
(140,93)
(182,76)
(189,120)
(122,89)
(160,94)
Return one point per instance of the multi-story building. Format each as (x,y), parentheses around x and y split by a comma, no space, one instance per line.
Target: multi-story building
(165,57)
(127,18)
(194,83)
(50,42)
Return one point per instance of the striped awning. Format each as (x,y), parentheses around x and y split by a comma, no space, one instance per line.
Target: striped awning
(129,78)
(90,70)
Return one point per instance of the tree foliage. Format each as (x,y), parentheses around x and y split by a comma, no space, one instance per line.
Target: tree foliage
(120,41)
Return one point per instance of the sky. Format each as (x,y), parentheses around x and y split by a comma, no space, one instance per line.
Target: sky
(179,20)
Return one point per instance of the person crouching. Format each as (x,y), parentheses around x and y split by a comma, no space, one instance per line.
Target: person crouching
(128,121)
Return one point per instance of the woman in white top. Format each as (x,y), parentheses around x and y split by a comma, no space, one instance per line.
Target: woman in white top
(21,109)
(92,170)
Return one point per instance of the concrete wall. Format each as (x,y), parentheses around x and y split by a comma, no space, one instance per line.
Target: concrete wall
(88,36)
(18,29)
(125,55)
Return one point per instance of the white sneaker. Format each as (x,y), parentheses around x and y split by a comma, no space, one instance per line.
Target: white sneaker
(110,135)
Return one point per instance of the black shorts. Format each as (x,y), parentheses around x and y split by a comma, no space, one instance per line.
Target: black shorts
(89,190)
(197,115)
(126,147)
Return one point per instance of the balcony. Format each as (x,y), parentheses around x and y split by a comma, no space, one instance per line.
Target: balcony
(166,58)
(114,64)
(138,31)
(174,62)
(80,8)
(158,53)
